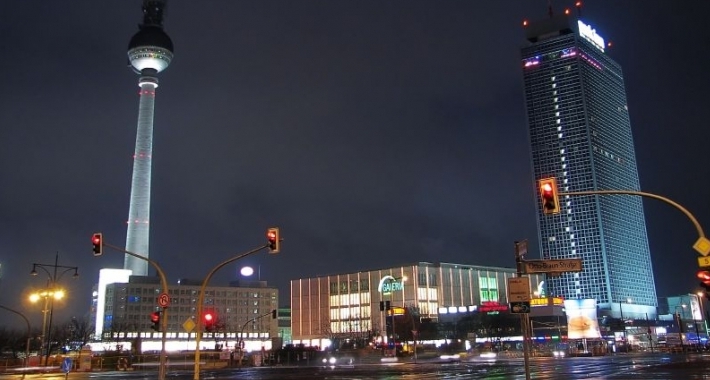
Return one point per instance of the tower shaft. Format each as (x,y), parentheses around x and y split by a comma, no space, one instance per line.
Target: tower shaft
(138,233)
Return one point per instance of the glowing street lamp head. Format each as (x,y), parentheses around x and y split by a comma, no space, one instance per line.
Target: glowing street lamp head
(247,271)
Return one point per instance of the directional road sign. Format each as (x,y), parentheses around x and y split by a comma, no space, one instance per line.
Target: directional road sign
(704,261)
(552,266)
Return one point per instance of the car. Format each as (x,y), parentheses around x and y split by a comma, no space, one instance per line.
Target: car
(450,358)
(335,361)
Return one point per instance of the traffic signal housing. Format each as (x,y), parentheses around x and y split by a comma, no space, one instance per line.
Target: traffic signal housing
(97,240)
(208,321)
(155,320)
(272,234)
(273,314)
(548,196)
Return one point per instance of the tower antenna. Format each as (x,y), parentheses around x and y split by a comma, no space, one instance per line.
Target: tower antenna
(153,12)
(578,5)
(549,8)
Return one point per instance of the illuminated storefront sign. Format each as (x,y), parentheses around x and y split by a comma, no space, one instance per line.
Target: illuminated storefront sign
(589,34)
(491,306)
(552,301)
(389,284)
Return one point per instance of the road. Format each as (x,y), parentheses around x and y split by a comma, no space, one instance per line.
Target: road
(633,366)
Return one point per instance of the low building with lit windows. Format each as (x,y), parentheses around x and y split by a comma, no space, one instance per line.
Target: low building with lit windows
(349,305)
(242,313)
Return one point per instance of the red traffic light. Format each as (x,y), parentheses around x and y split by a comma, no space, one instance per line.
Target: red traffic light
(209,317)
(155,317)
(97,240)
(548,196)
(272,234)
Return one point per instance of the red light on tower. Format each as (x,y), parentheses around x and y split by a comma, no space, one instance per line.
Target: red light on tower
(548,196)
(567,12)
(525,22)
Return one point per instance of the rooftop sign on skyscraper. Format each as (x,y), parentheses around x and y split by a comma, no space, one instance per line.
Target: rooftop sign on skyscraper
(589,34)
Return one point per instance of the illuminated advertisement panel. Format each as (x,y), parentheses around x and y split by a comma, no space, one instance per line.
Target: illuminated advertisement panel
(582,319)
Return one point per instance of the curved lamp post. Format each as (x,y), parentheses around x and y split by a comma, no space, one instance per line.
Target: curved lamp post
(50,294)
(27,322)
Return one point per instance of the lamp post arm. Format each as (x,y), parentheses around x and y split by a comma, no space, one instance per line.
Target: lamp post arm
(201,300)
(27,322)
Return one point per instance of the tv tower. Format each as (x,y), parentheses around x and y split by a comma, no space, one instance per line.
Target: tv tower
(149,52)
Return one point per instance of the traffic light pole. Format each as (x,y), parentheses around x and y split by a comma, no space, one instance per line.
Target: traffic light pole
(520,251)
(201,300)
(241,333)
(164,317)
(701,234)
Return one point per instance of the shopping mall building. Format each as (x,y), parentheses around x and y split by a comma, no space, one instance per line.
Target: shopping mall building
(343,304)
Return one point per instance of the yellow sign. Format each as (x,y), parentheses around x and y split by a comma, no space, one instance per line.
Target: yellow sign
(704,261)
(702,246)
(546,301)
(396,311)
(189,325)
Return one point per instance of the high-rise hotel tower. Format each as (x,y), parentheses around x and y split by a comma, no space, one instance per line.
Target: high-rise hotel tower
(580,134)
(149,52)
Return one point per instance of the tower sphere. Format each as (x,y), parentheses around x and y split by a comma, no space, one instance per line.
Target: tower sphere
(150,49)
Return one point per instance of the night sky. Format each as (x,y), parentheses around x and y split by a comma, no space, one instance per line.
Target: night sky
(373,133)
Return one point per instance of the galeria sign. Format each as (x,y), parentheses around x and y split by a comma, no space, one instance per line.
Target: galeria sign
(389,284)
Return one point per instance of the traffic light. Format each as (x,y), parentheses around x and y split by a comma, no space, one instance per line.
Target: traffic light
(387,305)
(548,196)
(97,240)
(155,319)
(273,314)
(704,277)
(274,240)
(209,320)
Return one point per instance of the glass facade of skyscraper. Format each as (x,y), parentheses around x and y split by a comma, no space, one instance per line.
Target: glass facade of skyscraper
(580,134)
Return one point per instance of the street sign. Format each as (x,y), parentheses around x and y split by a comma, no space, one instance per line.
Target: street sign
(704,261)
(552,266)
(67,365)
(702,246)
(520,307)
(189,325)
(163,300)
(521,248)
(518,289)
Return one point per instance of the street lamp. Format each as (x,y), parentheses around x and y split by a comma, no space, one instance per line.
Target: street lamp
(680,325)
(51,293)
(701,294)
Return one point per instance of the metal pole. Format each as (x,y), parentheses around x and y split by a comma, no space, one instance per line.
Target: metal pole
(201,300)
(29,332)
(520,251)
(164,316)
(43,338)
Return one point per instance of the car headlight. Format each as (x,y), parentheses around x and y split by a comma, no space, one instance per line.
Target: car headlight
(332,360)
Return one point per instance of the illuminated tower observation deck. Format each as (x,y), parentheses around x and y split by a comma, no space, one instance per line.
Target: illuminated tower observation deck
(149,52)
